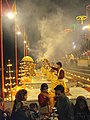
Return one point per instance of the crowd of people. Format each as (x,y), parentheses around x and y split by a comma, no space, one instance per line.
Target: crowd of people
(62,108)
(65,109)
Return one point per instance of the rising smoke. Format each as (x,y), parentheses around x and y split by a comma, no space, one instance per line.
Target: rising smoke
(45,22)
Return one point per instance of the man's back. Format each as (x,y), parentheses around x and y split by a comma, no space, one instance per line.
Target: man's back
(65,108)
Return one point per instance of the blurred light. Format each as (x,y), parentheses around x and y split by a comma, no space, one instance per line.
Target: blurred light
(73,43)
(74,46)
(5,90)
(67,30)
(11,15)
(26,46)
(18,33)
(88,79)
(86,27)
(24,41)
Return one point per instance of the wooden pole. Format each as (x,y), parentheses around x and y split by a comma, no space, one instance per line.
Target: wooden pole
(1,40)
(24,49)
(16,49)
(1,46)
(16,55)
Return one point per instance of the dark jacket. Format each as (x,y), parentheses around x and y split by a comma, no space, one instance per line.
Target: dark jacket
(19,115)
(65,108)
(81,114)
(20,112)
(2,115)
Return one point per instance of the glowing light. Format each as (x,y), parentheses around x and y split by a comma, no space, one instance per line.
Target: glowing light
(73,43)
(86,27)
(11,15)
(25,42)
(74,46)
(88,79)
(5,90)
(78,76)
(28,48)
(18,33)
(81,18)
(9,65)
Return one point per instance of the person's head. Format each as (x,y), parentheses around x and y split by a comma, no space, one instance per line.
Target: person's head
(33,107)
(44,88)
(59,64)
(81,103)
(21,95)
(59,90)
(1,103)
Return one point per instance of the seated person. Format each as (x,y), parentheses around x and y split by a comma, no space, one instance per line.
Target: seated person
(81,110)
(33,107)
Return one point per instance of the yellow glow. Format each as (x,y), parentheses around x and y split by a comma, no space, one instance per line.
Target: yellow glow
(5,90)
(24,41)
(11,15)
(86,27)
(81,18)
(88,79)
(18,33)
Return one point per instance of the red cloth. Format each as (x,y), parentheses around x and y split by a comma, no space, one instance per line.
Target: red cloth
(87,88)
(43,99)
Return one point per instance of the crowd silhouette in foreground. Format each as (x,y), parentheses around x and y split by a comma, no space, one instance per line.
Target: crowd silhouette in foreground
(64,108)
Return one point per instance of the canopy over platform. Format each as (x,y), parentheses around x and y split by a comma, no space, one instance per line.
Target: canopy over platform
(27,59)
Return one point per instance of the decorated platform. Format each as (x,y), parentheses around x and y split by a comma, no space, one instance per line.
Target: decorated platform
(31,80)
